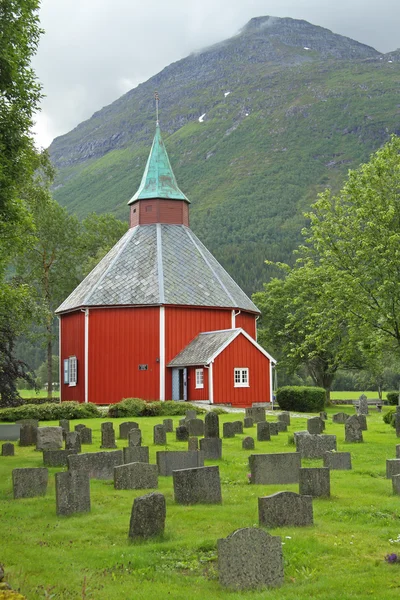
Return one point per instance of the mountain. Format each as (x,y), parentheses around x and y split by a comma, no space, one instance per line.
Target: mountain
(255,127)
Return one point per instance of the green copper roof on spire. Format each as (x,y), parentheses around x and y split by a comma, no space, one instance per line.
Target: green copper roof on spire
(158,180)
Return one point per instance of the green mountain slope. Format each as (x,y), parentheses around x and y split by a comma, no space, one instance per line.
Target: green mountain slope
(304,106)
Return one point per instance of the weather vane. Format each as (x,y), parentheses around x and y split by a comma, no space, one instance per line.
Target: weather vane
(156,99)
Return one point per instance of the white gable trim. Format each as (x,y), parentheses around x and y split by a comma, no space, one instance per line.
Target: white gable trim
(238,331)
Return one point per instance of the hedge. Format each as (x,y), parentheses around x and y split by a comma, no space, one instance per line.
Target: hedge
(389,417)
(135,407)
(301,398)
(50,412)
(393,398)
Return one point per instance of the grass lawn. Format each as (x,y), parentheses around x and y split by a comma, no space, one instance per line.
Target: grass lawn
(88,556)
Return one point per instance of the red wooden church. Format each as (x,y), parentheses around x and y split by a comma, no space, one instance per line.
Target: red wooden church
(159,318)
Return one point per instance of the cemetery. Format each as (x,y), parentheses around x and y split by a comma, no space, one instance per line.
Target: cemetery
(127,516)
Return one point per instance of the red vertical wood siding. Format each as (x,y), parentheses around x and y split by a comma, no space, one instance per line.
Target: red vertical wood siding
(121,339)
(181,327)
(247,321)
(72,327)
(193,392)
(241,354)
(157,210)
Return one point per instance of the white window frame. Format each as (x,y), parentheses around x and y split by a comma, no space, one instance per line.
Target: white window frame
(72,371)
(241,377)
(199,379)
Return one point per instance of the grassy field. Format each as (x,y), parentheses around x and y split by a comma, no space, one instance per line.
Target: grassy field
(88,556)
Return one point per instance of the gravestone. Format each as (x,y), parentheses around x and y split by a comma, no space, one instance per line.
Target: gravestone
(73,441)
(340,417)
(64,424)
(280,468)
(315,425)
(200,485)
(182,433)
(314,446)
(338,461)
(396,484)
(190,414)
(72,493)
(27,434)
(362,405)
(250,558)
(134,437)
(135,476)
(248,443)
(148,516)
(285,509)
(171,461)
(169,425)
(211,425)
(273,428)
(159,435)
(107,435)
(33,422)
(284,417)
(257,413)
(397,423)
(30,482)
(136,454)
(126,427)
(193,444)
(392,467)
(248,422)
(56,458)
(362,419)
(85,434)
(7,449)
(10,432)
(182,421)
(238,425)
(398,451)
(211,448)
(263,431)
(99,465)
(352,430)
(49,438)
(228,430)
(323,415)
(315,482)
(196,427)
(281,426)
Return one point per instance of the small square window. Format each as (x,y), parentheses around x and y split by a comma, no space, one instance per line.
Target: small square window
(199,378)
(241,377)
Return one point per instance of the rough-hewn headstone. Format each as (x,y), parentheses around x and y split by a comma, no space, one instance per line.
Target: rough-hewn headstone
(56,458)
(238,425)
(228,430)
(200,485)
(250,558)
(159,435)
(107,435)
(49,438)
(323,415)
(72,492)
(169,425)
(171,461)
(273,428)
(7,449)
(338,461)
(397,423)
(190,414)
(248,422)
(362,405)
(27,434)
(315,425)
(281,426)
(136,454)
(263,431)
(284,417)
(135,476)
(193,444)
(99,465)
(212,448)
(64,423)
(126,427)
(285,509)
(211,425)
(248,443)
(85,434)
(73,441)
(196,427)
(314,446)
(182,433)
(134,437)
(282,467)
(352,430)
(340,417)
(257,413)
(396,484)
(148,516)
(315,482)
(392,467)
(362,419)
(398,451)
(30,482)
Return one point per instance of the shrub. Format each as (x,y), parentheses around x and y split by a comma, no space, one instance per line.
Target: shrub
(128,407)
(393,398)
(219,411)
(389,417)
(135,407)
(50,412)
(301,398)
(44,400)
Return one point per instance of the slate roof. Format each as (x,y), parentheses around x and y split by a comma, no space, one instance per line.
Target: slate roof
(202,349)
(155,265)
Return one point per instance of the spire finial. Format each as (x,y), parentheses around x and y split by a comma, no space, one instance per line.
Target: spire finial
(156,99)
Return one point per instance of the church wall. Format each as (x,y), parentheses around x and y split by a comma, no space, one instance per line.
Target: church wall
(72,331)
(247,321)
(197,393)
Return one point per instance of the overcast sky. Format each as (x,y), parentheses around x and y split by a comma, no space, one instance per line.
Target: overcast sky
(93,51)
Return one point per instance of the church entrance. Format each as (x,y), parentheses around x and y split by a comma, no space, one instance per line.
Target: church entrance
(179,384)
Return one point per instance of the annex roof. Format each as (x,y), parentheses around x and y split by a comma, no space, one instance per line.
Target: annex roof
(205,347)
(158,179)
(155,265)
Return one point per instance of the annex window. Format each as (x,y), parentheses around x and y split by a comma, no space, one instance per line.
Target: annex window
(199,378)
(72,370)
(241,377)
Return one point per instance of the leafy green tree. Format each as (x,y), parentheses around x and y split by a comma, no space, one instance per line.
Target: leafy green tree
(99,234)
